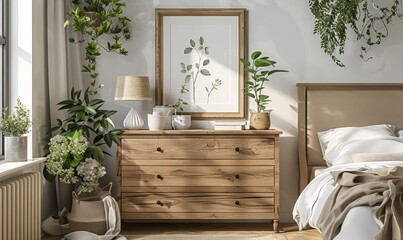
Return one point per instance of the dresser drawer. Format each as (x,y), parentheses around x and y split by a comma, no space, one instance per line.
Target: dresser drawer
(198,176)
(199,148)
(197,202)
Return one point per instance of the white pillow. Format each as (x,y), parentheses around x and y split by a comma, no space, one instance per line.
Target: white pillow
(400,133)
(342,153)
(376,157)
(332,137)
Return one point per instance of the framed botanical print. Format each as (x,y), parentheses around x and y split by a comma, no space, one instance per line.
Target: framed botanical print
(197,61)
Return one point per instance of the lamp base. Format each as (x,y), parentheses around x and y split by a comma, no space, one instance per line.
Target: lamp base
(133,120)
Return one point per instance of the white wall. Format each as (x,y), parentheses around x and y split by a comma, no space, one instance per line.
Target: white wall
(281,29)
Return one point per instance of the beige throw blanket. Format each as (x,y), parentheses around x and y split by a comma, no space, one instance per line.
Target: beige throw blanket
(381,189)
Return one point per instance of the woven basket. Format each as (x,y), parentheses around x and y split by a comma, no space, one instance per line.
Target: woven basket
(88,213)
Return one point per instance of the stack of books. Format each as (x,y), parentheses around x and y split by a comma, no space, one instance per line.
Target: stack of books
(229,125)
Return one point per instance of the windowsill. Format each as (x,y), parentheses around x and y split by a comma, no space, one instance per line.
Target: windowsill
(7,168)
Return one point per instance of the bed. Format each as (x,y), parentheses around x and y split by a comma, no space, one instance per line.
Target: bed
(324,107)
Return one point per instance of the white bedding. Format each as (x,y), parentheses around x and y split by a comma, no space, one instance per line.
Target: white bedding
(310,202)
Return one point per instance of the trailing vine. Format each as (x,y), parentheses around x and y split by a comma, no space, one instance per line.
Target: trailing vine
(368,19)
(95,20)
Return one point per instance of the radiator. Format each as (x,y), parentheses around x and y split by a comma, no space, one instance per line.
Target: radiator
(20,207)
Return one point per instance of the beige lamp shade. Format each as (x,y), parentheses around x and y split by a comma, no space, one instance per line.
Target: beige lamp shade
(133,88)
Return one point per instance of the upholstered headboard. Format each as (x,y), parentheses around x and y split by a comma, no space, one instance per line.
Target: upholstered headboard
(325,106)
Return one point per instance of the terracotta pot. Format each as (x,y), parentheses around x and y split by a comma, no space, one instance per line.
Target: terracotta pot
(259,120)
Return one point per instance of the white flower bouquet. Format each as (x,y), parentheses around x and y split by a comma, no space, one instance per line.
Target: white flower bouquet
(70,160)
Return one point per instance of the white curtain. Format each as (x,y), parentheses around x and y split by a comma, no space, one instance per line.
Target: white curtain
(59,69)
(56,69)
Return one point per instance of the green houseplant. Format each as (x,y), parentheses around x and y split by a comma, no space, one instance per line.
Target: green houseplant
(101,26)
(95,20)
(85,112)
(260,69)
(181,121)
(13,126)
(368,19)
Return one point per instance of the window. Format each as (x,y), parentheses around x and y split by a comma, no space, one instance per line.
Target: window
(4,16)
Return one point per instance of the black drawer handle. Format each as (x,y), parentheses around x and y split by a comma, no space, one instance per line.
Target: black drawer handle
(159,149)
(159,177)
(237,149)
(237,202)
(160,203)
(237,176)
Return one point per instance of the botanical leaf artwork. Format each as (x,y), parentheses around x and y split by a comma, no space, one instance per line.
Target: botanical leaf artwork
(214,86)
(195,71)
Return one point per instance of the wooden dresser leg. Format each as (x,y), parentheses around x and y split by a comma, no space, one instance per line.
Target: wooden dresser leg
(275,225)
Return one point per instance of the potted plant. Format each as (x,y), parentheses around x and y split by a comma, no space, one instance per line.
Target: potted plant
(14,126)
(86,119)
(71,159)
(181,121)
(259,69)
(109,24)
(368,20)
(85,112)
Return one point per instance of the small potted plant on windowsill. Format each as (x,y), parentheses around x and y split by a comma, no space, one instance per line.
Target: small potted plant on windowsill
(181,121)
(259,69)
(14,126)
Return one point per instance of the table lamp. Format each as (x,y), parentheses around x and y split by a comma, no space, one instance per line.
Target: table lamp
(133,88)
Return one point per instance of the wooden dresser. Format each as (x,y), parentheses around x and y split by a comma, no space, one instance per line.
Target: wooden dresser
(199,175)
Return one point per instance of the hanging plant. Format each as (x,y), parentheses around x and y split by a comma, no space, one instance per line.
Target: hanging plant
(95,20)
(368,19)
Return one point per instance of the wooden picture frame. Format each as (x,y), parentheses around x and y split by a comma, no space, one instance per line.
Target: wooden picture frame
(199,50)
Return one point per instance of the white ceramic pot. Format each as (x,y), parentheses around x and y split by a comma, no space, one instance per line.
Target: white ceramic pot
(15,149)
(167,112)
(181,122)
(156,121)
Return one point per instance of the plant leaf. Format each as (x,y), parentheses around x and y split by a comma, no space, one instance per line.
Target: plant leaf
(90,110)
(188,50)
(275,71)
(205,72)
(201,40)
(192,43)
(187,78)
(255,55)
(206,62)
(245,62)
(249,94)
(263,63)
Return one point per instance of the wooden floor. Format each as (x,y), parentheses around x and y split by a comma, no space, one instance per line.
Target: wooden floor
(288,230)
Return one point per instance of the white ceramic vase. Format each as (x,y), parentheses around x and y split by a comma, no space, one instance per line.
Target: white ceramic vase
(156,121)
(167,112)
(15,148)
